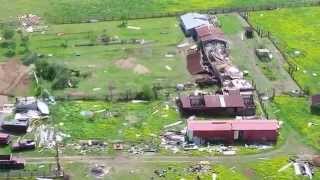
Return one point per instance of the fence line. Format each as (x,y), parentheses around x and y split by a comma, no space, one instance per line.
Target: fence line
(267,34)
(217,10)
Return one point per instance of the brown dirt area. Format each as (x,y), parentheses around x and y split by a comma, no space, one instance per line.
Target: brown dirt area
(130,64)
(14,78)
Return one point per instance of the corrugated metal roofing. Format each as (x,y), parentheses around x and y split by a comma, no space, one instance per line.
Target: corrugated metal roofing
(236,125)
(194,65)
(216,101)
(210,32)
(193,20)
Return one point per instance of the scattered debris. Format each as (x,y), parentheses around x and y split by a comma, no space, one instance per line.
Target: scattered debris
(173,124)
(100,170)
(118,146)
(23,145)
(285,167)
(168,68)
(133,27)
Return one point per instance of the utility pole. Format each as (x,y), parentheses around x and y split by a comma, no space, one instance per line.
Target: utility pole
(57,154)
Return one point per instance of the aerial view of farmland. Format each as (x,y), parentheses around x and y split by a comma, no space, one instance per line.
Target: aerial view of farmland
(160,89)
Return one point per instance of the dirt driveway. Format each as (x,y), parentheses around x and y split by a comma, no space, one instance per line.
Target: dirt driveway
(243,55)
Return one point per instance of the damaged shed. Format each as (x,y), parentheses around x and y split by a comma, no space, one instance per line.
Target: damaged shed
(228,105)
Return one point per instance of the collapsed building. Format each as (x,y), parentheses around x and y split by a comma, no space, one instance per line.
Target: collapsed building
(230,131)
(26,109)
(232,104)
(210,63)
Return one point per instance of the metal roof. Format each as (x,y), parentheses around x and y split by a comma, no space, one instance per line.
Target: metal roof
(216,101)
(210,32)
(194,65)
(235,125)
(193,20)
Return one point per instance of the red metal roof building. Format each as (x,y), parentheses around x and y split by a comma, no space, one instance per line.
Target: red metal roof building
(209,32)
(228,131)
(4,139)
(229,105)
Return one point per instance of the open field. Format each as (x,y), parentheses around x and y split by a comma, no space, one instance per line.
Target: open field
(78,10)
(296,112)
(268,169)
(267,75)
(124,66)
(120,121)
(296,32)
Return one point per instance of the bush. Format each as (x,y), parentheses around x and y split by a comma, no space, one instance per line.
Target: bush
(10,53)
(8,44)
(146,93)
(30,58)
(8,33)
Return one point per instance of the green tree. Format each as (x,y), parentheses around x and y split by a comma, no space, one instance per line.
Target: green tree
(8,33)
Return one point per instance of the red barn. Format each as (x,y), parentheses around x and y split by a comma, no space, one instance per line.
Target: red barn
(4,139)
(228,131)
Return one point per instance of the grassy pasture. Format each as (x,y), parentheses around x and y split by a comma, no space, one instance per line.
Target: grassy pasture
(296,112)
(77,10)
(296,31)
(161,37)
(130,121)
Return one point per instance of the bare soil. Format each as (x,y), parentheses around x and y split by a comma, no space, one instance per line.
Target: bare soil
(130,64)
(14,78)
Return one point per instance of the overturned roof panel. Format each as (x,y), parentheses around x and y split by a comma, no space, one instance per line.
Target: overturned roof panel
(194,63)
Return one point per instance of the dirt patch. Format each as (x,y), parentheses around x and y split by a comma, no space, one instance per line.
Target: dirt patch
(249,172)
(130,63)
(14,77)
(141,69)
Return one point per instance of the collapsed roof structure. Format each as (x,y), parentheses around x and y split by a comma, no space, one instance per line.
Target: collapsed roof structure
(217,104)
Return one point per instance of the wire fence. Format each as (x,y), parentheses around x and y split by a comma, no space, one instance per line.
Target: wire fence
(45,172)
(292,67)
(218,10)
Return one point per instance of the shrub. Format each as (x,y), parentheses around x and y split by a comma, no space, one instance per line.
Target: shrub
(10,53)
(30,58)
(8,44)
(8,33)
(146,93)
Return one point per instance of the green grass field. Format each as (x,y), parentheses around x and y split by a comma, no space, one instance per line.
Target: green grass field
(296,31)
(296,112)
(78,10)
(268,169)
(160,36)
(121,121)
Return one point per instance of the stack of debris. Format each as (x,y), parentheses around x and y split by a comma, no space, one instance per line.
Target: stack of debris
(85,146)
(201,167)
(303,167)
(142,148)
(31,23)
(26,110)
(100,170)
(173,140)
